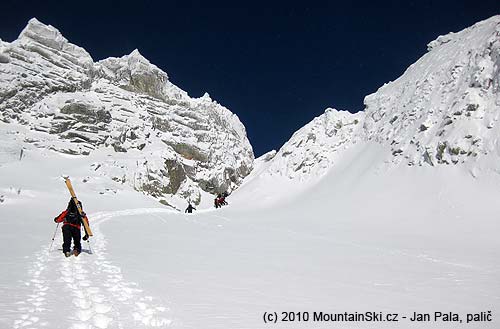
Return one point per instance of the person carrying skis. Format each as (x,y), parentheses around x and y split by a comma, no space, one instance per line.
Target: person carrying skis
(189,208)
(71,228)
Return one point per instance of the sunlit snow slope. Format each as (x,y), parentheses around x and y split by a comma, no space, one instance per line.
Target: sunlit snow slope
(443,111)
(364,238)
(346,225)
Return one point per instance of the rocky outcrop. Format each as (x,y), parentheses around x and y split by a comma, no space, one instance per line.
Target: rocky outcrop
(312,149)
(443,110)
(162,141)
(135,73)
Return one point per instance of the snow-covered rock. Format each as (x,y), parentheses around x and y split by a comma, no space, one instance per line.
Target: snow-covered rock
(156,138)
(312,149)
(135,73)
(443,110)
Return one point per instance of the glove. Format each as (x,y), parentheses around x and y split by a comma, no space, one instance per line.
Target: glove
(86,237)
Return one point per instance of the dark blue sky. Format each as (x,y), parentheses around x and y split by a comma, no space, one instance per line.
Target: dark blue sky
(276,64)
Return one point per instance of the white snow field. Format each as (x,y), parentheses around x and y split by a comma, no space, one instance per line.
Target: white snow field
(368,236)
(393,210)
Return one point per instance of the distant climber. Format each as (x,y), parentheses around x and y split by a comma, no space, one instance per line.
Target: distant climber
(220,200)
(189,208)
(72,221)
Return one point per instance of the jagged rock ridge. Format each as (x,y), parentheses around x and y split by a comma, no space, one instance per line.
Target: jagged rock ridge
(443,110)
(162,141)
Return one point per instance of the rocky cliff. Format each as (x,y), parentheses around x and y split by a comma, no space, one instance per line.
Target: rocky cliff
(157,139)
(443,110)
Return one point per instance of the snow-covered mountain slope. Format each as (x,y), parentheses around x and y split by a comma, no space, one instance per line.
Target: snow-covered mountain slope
(443,110)
(365,235)
(312,150)
(409,239)
(156,138)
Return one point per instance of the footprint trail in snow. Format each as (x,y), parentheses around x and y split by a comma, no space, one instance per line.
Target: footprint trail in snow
(87,291)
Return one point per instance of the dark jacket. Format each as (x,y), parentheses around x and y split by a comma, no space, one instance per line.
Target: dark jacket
(70,216)
(190,209)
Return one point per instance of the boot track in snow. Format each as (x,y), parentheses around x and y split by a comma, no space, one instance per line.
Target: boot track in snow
(87,291)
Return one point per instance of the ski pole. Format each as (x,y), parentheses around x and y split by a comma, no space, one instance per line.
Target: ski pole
(53,237)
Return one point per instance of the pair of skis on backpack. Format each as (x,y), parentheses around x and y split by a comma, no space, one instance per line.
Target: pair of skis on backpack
(85,220)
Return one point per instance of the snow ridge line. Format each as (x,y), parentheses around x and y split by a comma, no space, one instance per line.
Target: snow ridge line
(88,291)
